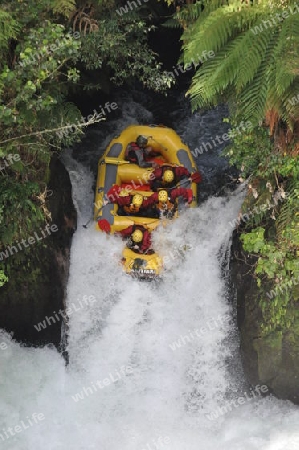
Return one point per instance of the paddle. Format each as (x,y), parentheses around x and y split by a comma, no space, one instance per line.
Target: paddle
(111,160)
(104,204)
(85,226)
(104,225)
(195,178)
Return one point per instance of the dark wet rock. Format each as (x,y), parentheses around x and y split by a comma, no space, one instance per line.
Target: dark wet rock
(272,359)
(36,291)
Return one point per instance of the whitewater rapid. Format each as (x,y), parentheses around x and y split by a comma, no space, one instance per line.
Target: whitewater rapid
(150,365)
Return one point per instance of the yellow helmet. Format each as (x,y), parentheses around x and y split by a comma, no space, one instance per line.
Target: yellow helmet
(124,193)
(137,200)
(137,236)
(168,176)
(163,196)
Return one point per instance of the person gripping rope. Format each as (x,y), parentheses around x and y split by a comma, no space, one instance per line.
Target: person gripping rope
(169,177)
(164,201)
(159,204)
(131,204)
(137,152)
(139,239)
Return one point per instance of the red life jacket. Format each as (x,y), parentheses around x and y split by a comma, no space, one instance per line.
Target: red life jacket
(131,209)
(146,242)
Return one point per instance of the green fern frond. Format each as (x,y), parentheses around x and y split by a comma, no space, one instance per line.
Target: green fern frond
(216,75)
(257,48)
(251,66)
(215,31)
(254,96)
(172,23)
(64,7)
(190,12)
(211,34)
(9,29)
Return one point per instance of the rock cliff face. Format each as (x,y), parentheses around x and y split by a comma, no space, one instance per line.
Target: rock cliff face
(273,359)
(38,293)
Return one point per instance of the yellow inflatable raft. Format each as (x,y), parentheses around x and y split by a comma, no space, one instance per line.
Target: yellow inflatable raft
(114,169)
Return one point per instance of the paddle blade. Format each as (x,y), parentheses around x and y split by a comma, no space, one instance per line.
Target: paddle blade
(196,177)
(190,195)
(104,225)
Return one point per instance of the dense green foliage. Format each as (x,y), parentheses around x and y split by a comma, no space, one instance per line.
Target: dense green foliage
(123,53)
(270,223)
(48,50)
(256,70)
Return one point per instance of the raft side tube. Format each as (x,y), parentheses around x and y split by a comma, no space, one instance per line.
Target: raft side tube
(115,150)
(142,265)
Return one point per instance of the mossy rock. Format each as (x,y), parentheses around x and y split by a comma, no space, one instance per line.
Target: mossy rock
(269,351)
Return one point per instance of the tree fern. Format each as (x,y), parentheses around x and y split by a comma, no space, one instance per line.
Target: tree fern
(252,66)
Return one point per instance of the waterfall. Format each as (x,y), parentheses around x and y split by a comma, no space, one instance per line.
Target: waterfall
(151,366)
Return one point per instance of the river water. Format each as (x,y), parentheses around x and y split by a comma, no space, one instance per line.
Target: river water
(151,366)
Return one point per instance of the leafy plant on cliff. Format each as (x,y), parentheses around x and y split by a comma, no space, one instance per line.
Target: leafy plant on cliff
(44,47)
(271,231)
(123,55)
(32,108)
(3,278)
(256,70)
